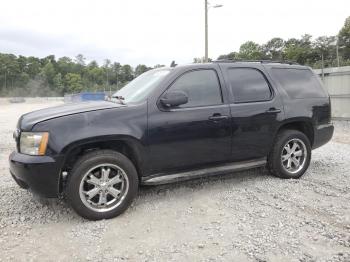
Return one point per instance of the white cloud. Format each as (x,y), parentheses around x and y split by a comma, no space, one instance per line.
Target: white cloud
(157,31)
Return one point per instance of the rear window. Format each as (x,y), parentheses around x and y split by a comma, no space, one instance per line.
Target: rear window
(299,83)
(248,85)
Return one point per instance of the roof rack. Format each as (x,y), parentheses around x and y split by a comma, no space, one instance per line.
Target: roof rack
(256,61)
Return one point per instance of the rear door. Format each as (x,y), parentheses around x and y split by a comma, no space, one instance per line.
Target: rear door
(256,110)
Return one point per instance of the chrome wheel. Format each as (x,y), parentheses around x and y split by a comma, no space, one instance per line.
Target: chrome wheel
(104,187)
(294,155)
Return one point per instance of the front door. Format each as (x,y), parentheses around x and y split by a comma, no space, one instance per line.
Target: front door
(195,133)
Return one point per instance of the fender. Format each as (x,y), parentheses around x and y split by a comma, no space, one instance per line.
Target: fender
(71,131)
(139,150)
(304,124)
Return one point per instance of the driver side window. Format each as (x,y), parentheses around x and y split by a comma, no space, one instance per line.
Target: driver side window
(201,86)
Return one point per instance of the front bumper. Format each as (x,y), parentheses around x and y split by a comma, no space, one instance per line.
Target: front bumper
(41,174)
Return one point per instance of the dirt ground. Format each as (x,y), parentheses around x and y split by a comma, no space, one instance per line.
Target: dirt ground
(246,216)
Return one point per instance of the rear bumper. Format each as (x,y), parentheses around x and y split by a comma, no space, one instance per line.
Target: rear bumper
(38,173)
(323,134)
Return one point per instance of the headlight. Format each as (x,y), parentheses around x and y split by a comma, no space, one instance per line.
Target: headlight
(34,143)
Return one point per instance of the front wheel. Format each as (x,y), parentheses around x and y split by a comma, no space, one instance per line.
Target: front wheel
(102,185)
(291,154)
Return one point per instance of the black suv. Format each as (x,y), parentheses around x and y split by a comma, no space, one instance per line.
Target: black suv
(171,124)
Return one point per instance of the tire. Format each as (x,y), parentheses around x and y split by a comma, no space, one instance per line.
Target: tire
(278,158)
(106,172)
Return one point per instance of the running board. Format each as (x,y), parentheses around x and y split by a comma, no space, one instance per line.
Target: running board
(160,179)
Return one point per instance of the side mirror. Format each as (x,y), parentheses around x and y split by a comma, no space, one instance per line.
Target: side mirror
(174,98)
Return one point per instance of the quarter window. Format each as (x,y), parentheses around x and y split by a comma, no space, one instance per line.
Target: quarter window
(299,83)
(201,86)
(248,85)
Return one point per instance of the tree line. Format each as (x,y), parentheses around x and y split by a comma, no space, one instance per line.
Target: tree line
(326,51)
(32,76)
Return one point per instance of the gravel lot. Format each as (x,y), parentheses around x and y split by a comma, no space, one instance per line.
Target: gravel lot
(246,216)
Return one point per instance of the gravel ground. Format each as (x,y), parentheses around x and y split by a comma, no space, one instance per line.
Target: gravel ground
(246,216)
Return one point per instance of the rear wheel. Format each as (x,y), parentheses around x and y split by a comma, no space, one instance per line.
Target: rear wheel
(102,185)
(291,154)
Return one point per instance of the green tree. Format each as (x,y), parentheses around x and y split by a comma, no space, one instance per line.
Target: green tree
(325,48)
(230,56)
(49,59)
(49,73)
(73,83)
(48,76)
(96,75)
(344,40)
(58,84)
(115,73)
(300,50)
(251,51)
(140,69)
(22,79)
(22,63)
(158,66)
(274,48)
(126,74)
(9,70)
(198,60)
(80,59)
(92,64)
(79,65)
(65,65)
(33,66)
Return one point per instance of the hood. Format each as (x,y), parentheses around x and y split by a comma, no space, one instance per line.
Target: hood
(27,121)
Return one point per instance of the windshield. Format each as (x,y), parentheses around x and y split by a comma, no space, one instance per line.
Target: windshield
(139,88)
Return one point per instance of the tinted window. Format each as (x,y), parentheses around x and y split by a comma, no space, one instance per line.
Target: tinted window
(248,85)
(298,83)
(201,86)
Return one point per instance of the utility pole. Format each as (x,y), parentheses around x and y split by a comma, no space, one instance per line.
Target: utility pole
(206,7)
(206,31)
(337,50)
(322,67)
(117,78)
(107,82)
(5,78)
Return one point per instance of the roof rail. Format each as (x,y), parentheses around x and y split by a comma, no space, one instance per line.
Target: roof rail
(255,61)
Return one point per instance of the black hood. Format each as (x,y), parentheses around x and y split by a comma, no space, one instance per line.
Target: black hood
(27,121)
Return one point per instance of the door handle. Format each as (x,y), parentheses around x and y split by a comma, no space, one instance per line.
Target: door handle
(273,110)
(217,117)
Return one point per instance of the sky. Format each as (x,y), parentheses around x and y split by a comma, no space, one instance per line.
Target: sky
(157,31)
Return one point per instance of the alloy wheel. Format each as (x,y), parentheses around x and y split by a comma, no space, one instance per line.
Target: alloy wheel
(294,155)
(104,187)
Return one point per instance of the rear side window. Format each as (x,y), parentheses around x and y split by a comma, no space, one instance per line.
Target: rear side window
(248,85)
(201,86)
(298,83)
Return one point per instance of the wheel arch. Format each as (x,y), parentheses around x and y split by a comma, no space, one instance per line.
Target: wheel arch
(303,125)
(126,145)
